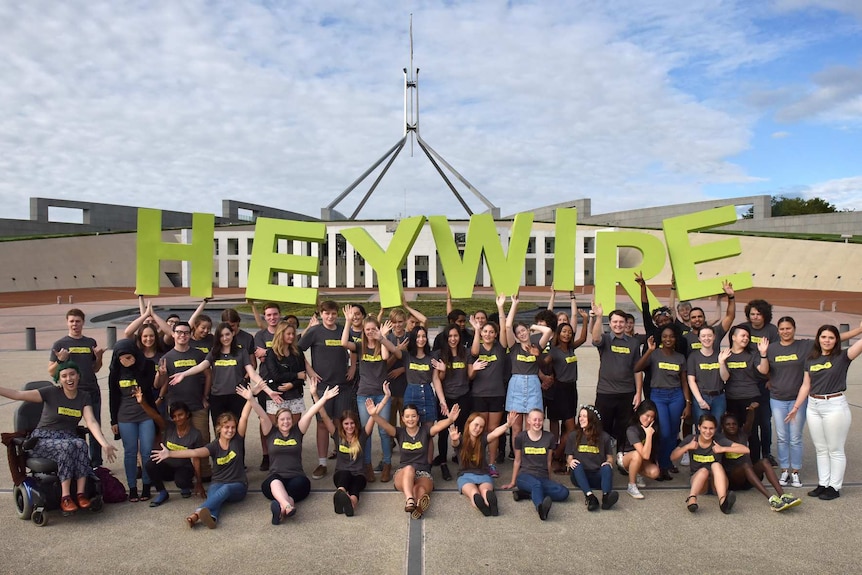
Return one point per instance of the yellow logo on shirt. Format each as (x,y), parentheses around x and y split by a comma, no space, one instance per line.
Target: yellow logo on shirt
(620,349)
(820,366)
(791,357)
(535,451)
(487,357)
(458,365)
(344,449)
(733,455)
(128,382)
(420,367)
(588,448)
(572,359)
(224,362)
(185,363)
(332,342)
(703,458)
(709,366)
(411,446)
(526,358)
(284,442)
(174,446)
(668,366)
(69,412)
(79,350)
(697,345)
(736,365)
(369,357)
(227,458)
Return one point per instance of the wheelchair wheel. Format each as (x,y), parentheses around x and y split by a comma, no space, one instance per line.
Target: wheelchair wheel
(40,518)
(23,503)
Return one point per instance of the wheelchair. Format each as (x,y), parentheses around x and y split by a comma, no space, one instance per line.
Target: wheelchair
(40,491)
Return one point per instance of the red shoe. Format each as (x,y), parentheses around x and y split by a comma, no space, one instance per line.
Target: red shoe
(83,502)
(67,504)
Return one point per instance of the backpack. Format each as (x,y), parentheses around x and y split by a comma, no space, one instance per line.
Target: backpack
(112,489)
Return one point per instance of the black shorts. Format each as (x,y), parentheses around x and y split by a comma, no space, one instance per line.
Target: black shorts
(565,401)
(489,404)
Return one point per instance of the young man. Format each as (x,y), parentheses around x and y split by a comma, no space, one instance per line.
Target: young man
(759,324)
(87,355)
(619,388)
(194,390)
(697,319)
(262,342)
(329,361)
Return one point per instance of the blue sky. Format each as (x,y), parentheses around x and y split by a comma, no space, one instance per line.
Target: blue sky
(178,105)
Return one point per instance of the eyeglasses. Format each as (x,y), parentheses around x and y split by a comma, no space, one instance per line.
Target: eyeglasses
(181,332)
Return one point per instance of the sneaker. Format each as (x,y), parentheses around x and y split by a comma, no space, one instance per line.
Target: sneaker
(545,507)
(785,476)
(620,467)
(817,491)
(794,480)
(319,472)
(264,463)
(639,480)
(592,502)
(610,499)
(776,503)
(633,490)
(685,459)
(772,461)
(492,471)
(829,494)
(791,500)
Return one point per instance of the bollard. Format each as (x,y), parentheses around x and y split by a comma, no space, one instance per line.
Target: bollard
(834,306)
(59,299)
(112,337)
(844,327)
(70,299)
(30,339)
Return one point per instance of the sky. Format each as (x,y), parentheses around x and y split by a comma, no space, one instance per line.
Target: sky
(178,105)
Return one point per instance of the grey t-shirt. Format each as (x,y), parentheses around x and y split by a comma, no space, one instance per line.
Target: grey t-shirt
(666,369)
(705,456)
(828,373)
(617,359)
(591,456)
(418,370)
(245,341)
(229,464)
(480,467)
(191,440)
(60,413)
(693,338)
(398,384)
(228,370)
(343,459)
(522,361)
(263,339)
(328,357)
(456,382)
(129,410)
(787,368)
(285,452)
(490,382)
(414,448)
(81,352)
(565,364)
(191,389)
(706,371)
(742,383)
(372,373)
(534,454)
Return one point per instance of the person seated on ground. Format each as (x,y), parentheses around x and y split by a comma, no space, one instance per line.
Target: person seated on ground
(57,432)
(474,478)
(742,474)
(349,477)
(638,454)
(534,448)
(178,434)
(590,456)
(706,449)
(413,477)
(229,480)
(287,482)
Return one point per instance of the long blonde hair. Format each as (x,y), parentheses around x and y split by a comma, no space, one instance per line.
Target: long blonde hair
(280,348)
(353,444)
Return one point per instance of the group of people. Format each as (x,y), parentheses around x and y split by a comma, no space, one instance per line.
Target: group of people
(170,379)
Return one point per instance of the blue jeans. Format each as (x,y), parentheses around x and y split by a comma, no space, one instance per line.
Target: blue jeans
(220,493)
(789,438)
(384,437)
(586,481)
(670,404)
(95,448)
(539,488)
(137,438)
(717,406)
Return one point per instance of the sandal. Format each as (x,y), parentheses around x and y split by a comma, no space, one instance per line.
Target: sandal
(192,519)
(691,506)
(421,507)
(145,493)
(133,495)
(726,503)
(410,505)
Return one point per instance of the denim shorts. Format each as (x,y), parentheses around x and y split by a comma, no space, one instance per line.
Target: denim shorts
(474,478)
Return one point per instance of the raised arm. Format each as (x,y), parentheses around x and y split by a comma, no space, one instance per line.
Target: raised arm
(509,329)
(585,320)
(327,421)
(851,333)
(257,319)
(133,327)
(148,409)
(551,298)
(722,364)
(643,362)
(31,395)
(547,334)
(306,418)
(854,350)
(199,310)
(250,403)
(501,430)
(418,315)
(345,333)
(598,328)
(444,423)
(374,410)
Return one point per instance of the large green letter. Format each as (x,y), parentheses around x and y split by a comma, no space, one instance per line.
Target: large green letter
(565,234)
(265,260)
(684,257)
(608,274)
(460,274)
(152,250)
(387,264)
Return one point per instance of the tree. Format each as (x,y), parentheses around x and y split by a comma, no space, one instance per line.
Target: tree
(783,206)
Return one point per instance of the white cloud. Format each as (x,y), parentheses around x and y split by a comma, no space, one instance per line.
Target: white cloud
(836,97)
(843,193)
(179,105)
(780,135)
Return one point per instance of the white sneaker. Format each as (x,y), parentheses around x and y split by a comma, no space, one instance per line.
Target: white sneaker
(639,480)
(633,490)
(794,479)
(785,475)
(685,459)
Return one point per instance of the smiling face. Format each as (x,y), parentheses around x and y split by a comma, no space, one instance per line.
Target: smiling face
(827,341)
(697,318)
(410,418)
(583,419)
(489,334)
(328,317)
(203,329)
(566,333)
(421,338)
(476,427)
(180,417)
(535,420)
(228,429)
(786,331)
(148,337)
(225,337)
(284,421)
(289,335)
(272,315)
(630,326)
(647,418)
(668,339)
(69,378)
(740,339)
(348,425)
(522,334)
(356,318)
(481,318)
(371,331)
(453,338)
(706,337)
(617,324)
(707,430)
(661,318)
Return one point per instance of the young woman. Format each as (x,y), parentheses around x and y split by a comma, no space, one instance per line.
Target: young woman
(229,480)
(350,440)
(669,392)
(742,474)
(474,479)
(487,371)
(178,434)
(373,353)
(287,482)
(828,412)
(57,432)
(288,371)
(419,371)
(129,373)
(706,450)
(590,456)
(740,369)
(413,477)
(525,389)
(637,457)
(452,384)
(531,472)
(565,389)
(704,377)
